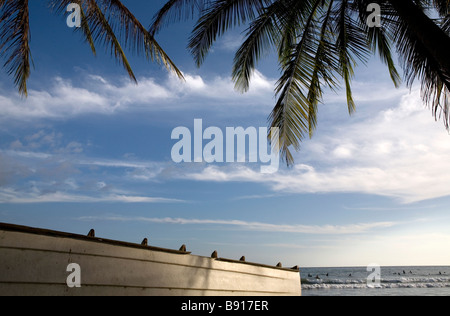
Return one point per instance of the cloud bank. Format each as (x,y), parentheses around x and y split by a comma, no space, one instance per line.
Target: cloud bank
(65,99)
(254,226)
(399,152)
(394,150)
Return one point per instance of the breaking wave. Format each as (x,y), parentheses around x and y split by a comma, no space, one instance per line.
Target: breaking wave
(422,282)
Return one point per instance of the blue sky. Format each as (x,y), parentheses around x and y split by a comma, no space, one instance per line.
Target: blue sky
(90,149)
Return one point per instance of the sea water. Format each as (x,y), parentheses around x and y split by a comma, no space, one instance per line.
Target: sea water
(395,281)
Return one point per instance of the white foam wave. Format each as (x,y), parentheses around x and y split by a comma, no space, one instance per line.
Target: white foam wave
(385,283)
(382,286)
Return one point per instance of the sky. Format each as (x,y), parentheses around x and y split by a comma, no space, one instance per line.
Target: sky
(89,149)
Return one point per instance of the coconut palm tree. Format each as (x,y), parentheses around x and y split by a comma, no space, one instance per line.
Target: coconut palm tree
(319,43)
(103,22)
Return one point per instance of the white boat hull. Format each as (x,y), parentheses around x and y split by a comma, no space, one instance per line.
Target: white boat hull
(34,262)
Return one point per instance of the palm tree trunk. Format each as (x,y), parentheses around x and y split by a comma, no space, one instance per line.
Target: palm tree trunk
(431,35)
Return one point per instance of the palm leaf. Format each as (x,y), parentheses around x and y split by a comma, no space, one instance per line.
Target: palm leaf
(291,25)
(176,10)
(379,38)
(319,41)
(139,38)
(325,65)
(442,7)
(103,32)
(419,62)
(259,38)
(446,25)
(111,23)
(218,18)
(15,41)
(352,45)
(60,7)
(291,113)
(87,31)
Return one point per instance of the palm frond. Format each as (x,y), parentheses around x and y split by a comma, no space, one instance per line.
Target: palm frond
(176,10)
(420,61)
(352,45)
(15,41)
(319,41)
(259,38)
(379,38)
(60,6)
(111,23)
(446,25)
(219,17)
(87,30)
(291,25)
(103,32)
(291,113)
(139,38)
(325,65)
(442,7)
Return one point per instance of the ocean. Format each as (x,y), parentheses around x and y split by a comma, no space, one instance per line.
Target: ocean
(394,281)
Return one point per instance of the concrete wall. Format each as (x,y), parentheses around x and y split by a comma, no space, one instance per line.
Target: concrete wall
(32,264)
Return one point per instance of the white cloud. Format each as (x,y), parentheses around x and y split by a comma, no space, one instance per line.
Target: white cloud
(9,196)
(399,152)
(220,91)
(230,42)
(253,226)
(43,167)
(96,95)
